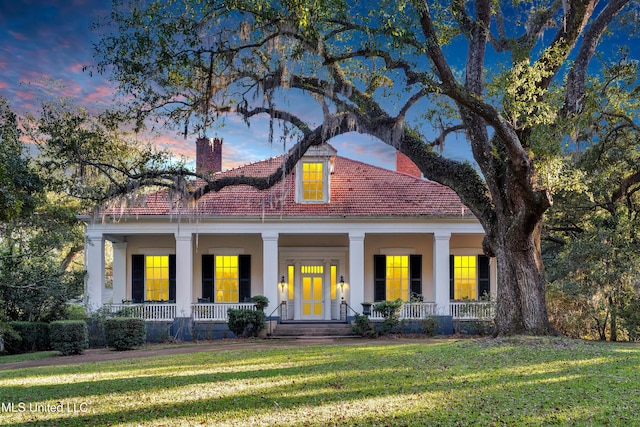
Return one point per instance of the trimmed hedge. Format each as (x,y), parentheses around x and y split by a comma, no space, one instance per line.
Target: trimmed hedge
(246,322)
(125,333)
(28,337)
(69,336)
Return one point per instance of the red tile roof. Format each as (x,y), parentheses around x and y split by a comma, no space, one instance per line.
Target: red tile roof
(357,190)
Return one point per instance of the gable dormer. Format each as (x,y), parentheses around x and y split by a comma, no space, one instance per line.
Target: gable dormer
(313,175)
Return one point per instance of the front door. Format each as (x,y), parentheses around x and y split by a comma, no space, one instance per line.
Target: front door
(312,292)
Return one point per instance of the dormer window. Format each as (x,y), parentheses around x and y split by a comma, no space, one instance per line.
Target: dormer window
(313,175)
(312,181)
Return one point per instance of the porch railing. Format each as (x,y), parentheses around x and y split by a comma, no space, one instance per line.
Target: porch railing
(160,312)
(472,310)
(209,312)
(411,311)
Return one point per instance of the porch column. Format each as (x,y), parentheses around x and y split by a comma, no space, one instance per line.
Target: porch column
(94,265)
(441,272)
(327,290)
(270,265)
(184,274)
(356,270)
(119,272)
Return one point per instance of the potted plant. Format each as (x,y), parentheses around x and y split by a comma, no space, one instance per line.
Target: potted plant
(366,308)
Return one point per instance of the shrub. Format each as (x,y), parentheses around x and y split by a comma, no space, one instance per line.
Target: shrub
(27,337)
(125,333)
(75,312)
(429,326)
(362,327)
(261,302)
(246,322)
(69,336)
(390,310)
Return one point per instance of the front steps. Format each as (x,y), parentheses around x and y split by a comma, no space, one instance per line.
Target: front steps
(318,329)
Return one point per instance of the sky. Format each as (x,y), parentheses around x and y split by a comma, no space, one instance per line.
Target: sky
(45,46)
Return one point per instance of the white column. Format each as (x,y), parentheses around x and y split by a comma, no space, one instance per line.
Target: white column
(270,276)
(441,272)
(327,290)
(184,274)
(119,272)
(297,291)
(356,271)
(94,265)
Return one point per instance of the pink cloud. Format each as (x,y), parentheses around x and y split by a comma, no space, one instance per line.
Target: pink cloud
(18,36)
(102,94)
(3,85)
(75,68)
(25,96)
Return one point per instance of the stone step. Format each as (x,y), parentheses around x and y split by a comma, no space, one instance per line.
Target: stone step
(299,330)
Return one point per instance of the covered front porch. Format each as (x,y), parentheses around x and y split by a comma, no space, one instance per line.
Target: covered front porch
(196,272)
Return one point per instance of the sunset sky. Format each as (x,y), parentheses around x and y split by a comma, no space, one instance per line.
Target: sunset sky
(45,44)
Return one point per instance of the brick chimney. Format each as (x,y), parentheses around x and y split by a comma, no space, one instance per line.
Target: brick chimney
(208,155)
(405,165)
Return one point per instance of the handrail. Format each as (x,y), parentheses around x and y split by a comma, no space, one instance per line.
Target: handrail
(279,306)
(346,304)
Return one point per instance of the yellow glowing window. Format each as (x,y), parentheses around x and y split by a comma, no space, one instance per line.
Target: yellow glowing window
(227,278)
(465,275)
(312,181)
(156,278)
(397,277)
(312,269)
(291,284)
(334,273)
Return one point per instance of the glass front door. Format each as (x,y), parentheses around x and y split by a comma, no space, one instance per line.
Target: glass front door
(312,292)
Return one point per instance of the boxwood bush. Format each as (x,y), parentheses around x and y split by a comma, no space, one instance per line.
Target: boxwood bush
(246,322)
(125,333)
(27,337)
(69,336)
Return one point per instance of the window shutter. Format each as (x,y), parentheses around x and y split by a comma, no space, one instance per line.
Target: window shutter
(484,276)
(137,278)
(172,278)
(244,275)
(380,278)
(208,275)
(415,275)
(452,291)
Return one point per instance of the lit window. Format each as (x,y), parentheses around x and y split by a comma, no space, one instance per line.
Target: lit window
(334,279)
(156,280)
(312,181)
(465,275)
(397,279)
(227,278)
(291,273)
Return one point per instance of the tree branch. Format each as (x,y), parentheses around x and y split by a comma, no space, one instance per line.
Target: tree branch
(574,99)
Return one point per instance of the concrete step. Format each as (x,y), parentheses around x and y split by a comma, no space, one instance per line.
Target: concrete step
(300,330)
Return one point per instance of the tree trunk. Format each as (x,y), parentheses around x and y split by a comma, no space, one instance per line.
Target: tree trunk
(614,319)
(521,305)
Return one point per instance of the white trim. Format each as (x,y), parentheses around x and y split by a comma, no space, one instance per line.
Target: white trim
(293,226)
(226,251)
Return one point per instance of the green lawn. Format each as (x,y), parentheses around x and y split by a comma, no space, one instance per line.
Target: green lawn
(516,381)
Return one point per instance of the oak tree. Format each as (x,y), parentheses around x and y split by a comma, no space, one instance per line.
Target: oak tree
(510,75)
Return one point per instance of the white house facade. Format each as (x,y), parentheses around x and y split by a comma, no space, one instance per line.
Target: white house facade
(332,235)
